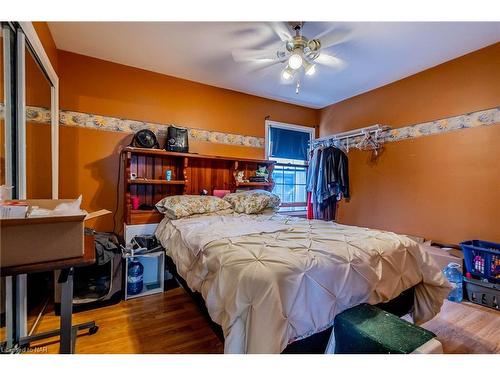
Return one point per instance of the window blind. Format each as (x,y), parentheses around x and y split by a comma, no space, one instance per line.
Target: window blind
(288,144)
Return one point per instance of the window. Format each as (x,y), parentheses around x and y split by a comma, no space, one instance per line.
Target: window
(290,186)
(288,145)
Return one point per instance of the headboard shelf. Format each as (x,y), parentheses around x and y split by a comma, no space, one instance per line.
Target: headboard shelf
(190,174)
(254,184)
(157,182)
(153,151)
(144,217)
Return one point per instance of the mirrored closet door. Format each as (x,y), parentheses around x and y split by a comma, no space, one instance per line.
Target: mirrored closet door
(29,148)
(2,121)
(8,172)
(29,144)
(38,129)
(37,118)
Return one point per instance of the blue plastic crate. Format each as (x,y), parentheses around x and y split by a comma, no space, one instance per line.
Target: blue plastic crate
(482,259)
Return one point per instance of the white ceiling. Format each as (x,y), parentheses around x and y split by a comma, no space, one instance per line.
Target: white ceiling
(375,53)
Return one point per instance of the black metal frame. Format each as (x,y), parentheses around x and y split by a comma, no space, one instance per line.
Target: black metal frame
(67,331)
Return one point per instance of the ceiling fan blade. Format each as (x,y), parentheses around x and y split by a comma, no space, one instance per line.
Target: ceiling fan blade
(263,64)
(281,29)
(332,37)
(243,55)
(330,60)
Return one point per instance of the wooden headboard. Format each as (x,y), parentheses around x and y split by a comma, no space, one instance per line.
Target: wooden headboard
(191,173)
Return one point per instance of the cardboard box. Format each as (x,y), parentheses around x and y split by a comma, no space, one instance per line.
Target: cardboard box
(13,209)
(43,239)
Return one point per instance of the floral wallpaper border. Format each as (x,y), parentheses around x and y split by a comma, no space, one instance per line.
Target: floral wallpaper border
(91,121)
(40,115)
(486,117)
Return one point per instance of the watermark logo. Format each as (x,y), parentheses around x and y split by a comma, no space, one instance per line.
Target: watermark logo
(24,349)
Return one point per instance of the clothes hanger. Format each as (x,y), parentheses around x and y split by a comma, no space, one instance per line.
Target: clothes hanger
(369,143)
(365,142)
(337,144)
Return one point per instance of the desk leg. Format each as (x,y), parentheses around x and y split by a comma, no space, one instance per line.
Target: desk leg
(22,305)
(67,332)
(10,311)
(67,342)
(15,311)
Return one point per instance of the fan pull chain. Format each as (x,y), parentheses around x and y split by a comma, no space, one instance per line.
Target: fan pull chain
(297,88)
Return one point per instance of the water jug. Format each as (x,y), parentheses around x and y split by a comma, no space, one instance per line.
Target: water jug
(453,273)
(135,277)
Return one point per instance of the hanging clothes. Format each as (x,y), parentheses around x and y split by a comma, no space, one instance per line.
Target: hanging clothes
(312,170)
(334,177)
(310,212)
(327,181)
(327,210)
(311,181)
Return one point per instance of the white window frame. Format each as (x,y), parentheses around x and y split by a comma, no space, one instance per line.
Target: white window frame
(284,125)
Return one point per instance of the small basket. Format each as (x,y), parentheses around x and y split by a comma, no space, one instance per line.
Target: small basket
(482,293)
(482,259)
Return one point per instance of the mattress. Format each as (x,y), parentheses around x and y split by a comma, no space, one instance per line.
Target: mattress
(267,290)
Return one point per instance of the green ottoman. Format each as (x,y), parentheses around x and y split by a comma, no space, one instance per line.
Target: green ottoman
(366,329)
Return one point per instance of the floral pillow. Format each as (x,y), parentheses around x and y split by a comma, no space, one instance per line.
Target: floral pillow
(252,201)
(178,206)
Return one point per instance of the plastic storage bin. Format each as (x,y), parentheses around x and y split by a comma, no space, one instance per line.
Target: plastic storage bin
(482,259)
(482,293)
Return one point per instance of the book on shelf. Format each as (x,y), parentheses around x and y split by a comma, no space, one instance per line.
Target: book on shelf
(257,179)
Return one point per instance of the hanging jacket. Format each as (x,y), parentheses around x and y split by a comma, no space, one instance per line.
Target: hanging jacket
(312,170)
(333,177)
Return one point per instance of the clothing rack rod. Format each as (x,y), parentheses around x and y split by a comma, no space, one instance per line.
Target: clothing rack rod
(351,133)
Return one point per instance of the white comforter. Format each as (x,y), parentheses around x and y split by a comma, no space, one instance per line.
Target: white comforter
(198,232)
(267,290)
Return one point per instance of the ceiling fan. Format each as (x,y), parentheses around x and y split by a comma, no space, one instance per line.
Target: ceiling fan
(299,53)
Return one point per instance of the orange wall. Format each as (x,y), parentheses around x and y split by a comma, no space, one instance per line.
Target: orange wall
(444,187)
(401,192)
(89,158)
(106,88)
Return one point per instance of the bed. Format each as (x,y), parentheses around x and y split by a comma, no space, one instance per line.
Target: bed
(272,281)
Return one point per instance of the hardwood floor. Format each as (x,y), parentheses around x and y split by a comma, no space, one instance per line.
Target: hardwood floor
(171,323)
(467,328)
(160,323)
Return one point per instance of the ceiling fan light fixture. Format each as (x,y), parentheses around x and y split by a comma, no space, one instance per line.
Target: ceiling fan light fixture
(295,61)
(297,52)
(309,69)
(287,73)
